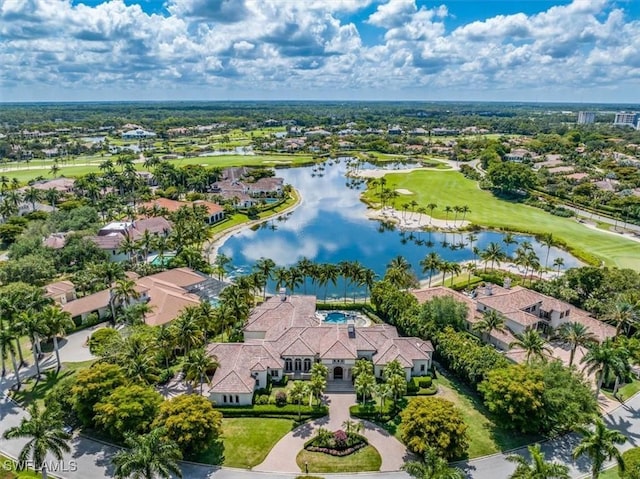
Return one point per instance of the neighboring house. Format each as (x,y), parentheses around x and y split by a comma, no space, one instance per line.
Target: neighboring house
(215,212)
(111,236)
(284,336)
(137,134)
(55,241)
(518,155)
(61,292)
(522,309)
(168,293)
(62,185)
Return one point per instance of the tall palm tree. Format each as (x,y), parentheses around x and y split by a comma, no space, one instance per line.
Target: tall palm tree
(575,334)
(493,253)
(265,267)
(148,457)
(558,263)
(7,347)
(492,320)
(431,263)
(431,207)
(508,239)
(447,210)
(547,240)
(432,466)
(58,322)
(198,366)
(599,445)
(45,434)
(606,359)
(533,344)
(455,269)
(34,326)
(538,468)
(464,209)
(471,238)
(121,294)
(32,195)
(186,329)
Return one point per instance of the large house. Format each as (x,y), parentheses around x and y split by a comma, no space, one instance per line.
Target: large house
(284,336)
(167,293)
(521,308)
(215,212)
(111,236)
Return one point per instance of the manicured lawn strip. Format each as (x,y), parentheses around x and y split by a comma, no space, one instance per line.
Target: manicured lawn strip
(450,188)
(247,441)
(366,459)
(611,473)
(7,470)
(485,435)
(32,391)
(625,392)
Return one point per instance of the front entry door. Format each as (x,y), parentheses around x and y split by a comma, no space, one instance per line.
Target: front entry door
(338,372)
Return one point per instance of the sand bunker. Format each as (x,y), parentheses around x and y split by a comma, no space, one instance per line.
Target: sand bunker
(403,191)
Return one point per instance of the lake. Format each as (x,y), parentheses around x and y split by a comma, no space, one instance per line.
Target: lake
(330,226)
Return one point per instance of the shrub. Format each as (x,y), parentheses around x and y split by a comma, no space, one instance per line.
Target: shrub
(340,439)
(425,382)
(100,339)
(262,399)
(289,411)
(165,376)
(281,398)
(631,460)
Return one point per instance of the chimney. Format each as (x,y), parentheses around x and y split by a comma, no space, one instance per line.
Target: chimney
(489,290)
(283,294)
(507,283)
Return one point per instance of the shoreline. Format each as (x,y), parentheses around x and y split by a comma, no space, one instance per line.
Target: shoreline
(213,245)
(421,223)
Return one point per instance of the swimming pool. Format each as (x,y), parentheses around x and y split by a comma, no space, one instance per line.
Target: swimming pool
(336,317)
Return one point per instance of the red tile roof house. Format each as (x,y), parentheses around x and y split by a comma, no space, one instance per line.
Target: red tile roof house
(215,211)
(283,336)
(110,237)
(523,309)
(165,292)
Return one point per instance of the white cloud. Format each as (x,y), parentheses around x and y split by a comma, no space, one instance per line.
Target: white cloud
(280,46)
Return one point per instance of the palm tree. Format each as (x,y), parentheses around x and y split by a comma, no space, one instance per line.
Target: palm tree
(622,314)
(431,263)
(575,334)
(431,207)
(432,466)
(32,195)
(532,343)
(492,320)
(604,359)
(538,468)
(45,434)
(7,347)
(197,367)
(298,392)
(548,241)
(365,385)
(58,322)
(558,263)
(464,209)
(33,325)
(599,445)
(493,253)
(471,238)
(148,457)
(121,294)
(265,267)
(457,210)
(186,329)
(447,210)
(455,269)
(508,239)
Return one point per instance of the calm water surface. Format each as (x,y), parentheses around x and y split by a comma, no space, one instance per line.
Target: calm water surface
(330,226)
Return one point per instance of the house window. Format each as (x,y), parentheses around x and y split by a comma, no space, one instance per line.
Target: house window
(224,398)
(298,364)
(422,368)
(307,365)
(257,382)
(274,373)
(287,364)
(237,399)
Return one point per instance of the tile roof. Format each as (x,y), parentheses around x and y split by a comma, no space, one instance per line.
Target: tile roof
(88,304)
(236,361)
(59,287)
(275,315)
(511,299)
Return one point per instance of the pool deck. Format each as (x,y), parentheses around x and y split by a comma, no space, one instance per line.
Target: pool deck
(351,317)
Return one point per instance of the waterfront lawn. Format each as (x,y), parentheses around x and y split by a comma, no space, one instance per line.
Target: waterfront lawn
(246,441)
(451,188)
(35,392)
(365,459)
(7,470)
(485,435)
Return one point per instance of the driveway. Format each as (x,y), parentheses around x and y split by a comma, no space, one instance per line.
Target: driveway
(282,457)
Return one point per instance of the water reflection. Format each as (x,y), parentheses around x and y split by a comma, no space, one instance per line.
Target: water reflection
(330,226)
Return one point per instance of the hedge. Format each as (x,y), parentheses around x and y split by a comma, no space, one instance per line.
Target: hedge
(270,410)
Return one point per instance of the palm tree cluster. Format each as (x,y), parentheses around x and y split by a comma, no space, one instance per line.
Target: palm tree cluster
(433,263)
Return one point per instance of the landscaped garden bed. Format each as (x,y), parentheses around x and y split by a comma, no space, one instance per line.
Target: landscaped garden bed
(338,443)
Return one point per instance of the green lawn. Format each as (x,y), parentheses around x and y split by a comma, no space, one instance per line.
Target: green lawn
(625,392)
(485,435)
(32,391)
(366,459)
(610,473)
(7,470)
(246,441)
(450,188)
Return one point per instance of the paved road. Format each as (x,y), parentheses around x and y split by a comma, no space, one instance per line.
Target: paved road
(93,459)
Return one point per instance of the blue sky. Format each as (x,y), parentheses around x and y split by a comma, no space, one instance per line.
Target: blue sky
(564,50)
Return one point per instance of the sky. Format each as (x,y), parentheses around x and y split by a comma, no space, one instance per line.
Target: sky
(451,50)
